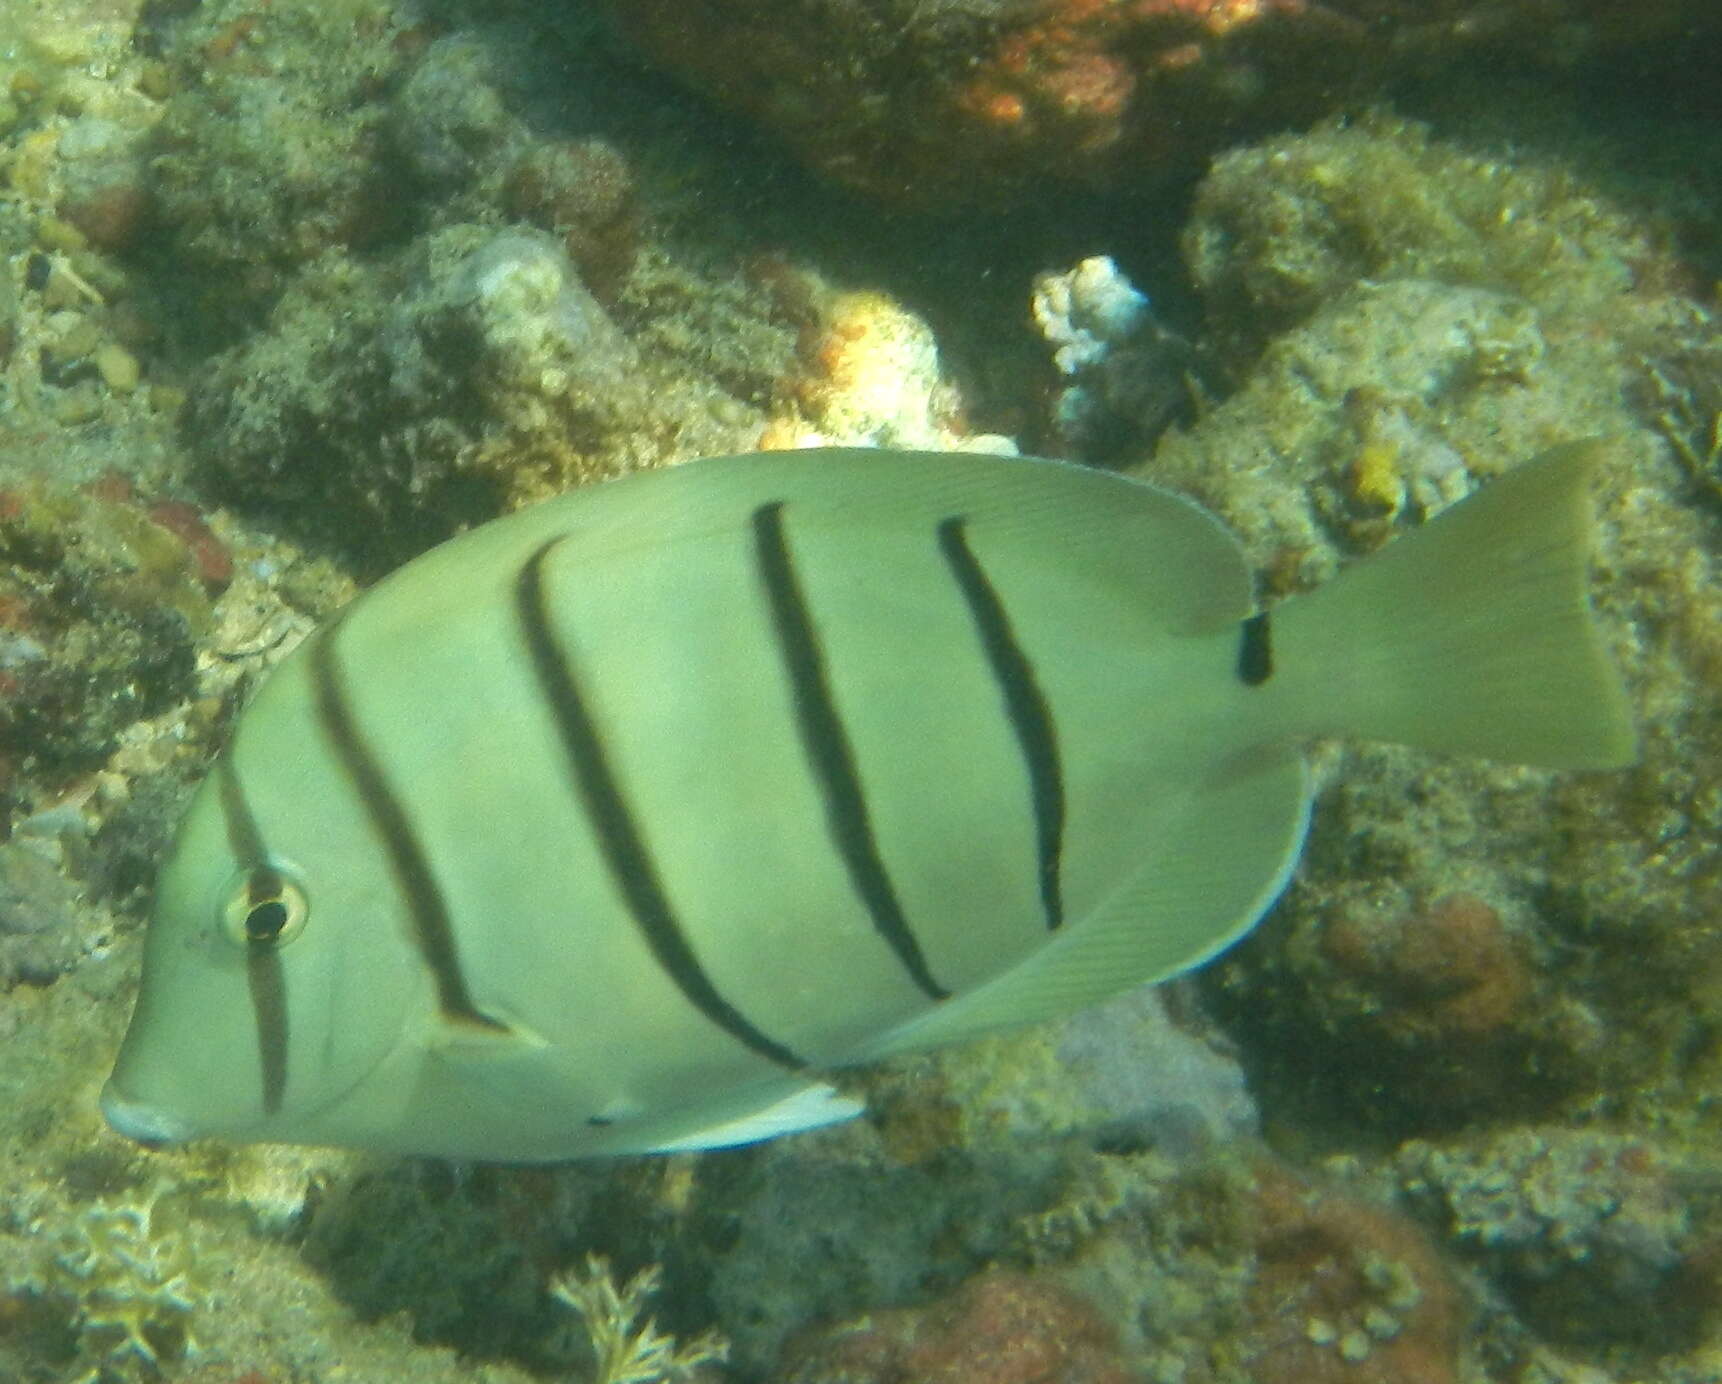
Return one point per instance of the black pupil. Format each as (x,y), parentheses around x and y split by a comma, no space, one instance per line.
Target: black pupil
(265,921)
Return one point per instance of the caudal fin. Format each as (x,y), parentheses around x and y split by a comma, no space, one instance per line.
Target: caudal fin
(1473,635)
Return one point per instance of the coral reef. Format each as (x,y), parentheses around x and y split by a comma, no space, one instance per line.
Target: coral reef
(583,191)
(1221,1269)
(1345,1291)
(252,176)
(894,98)
(364,274)
(1450,969)
(100,603)
(483,310)
(1682,396)
(964,1160)
(1125,376)
(868,374)
(1590,1232)
(393,400)
(1436,335)
(105,193)
(998,1328)
(1281,228)
(1144,1070)
(129,1290)
(39,939)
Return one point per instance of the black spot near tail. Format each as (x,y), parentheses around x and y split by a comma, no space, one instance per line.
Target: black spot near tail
(1255,651)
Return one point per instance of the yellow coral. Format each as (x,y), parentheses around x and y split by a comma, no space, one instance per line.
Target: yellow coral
(1375,480)
(874,375)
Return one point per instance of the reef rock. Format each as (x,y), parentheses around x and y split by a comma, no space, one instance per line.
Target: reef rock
(957,100)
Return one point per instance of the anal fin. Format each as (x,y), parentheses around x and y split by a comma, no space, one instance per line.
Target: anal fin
(806,1107)
(1211,866)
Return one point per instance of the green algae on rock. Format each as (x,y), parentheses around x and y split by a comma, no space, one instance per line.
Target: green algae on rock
(1282,227)
(104,605)
(470,372)
(1592,1232)
(271,149)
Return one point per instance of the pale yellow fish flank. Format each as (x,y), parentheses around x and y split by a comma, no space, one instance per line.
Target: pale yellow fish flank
(609,826)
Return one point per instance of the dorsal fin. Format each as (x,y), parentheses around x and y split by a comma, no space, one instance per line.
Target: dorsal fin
(1177,565)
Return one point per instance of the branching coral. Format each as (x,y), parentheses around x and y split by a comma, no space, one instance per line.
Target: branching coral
(131,1291)
(628,1353)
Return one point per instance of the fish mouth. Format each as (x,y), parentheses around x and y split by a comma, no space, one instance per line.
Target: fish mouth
(140,1123)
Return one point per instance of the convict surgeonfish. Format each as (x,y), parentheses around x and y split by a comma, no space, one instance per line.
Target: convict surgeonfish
(611,825)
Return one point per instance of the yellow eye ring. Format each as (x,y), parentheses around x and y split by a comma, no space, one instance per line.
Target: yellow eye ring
(265,908)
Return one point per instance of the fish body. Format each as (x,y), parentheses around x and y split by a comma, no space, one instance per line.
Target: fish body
(611,825)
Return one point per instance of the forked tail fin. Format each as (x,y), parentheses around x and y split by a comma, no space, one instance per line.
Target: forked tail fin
(1473,635)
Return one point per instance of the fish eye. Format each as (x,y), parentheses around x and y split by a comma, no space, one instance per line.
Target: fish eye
(265,908)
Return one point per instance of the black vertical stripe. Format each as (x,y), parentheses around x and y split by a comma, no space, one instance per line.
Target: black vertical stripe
(433,931)
(268,987)
(264,979)
(619,838)
(1255,651)
(827,746)
(1025,705)
(244,839)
